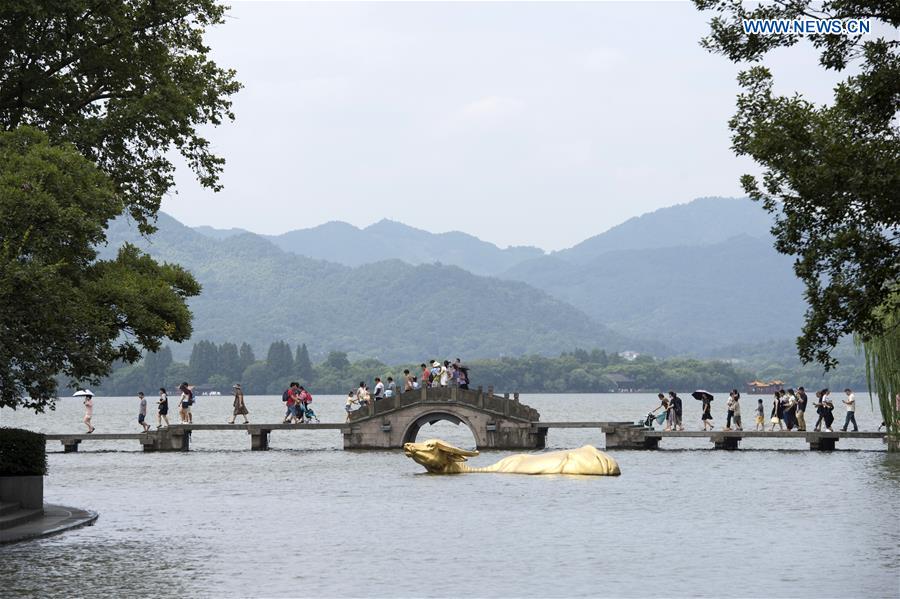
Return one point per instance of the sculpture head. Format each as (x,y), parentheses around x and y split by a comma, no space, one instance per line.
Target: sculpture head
(437,456)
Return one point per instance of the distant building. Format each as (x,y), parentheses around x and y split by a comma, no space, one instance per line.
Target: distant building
(629,355)
(765,386)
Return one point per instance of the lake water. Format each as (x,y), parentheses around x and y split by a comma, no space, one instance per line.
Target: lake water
(309,519)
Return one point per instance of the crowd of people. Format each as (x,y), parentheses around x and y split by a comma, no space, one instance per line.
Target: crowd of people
(446,374)
(788,411)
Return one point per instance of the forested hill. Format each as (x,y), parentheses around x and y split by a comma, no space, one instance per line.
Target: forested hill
(388,240)
(393,311)
(691,298)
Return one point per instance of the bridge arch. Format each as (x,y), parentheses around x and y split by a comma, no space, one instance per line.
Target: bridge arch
(412,430)
(495,422)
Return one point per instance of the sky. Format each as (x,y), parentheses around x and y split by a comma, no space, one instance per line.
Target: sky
(521,123)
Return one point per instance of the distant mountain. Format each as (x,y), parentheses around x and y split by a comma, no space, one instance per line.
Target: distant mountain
(389,240)
(219,233)
(704,221)
(255,292)
(691,298)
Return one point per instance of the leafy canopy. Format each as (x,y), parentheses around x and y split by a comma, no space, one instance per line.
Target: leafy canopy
(61,309)
(125,82)
(831,174)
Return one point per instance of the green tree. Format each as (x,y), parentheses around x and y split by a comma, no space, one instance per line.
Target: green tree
(204,361)
(256,379)
(337,360)
(125,82)
(230,362)
(279,359)
(247,356)
(155,364)
(302,364)
(64,311)
(831,173)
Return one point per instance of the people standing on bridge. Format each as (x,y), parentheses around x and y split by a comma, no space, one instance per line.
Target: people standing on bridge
(664,409)
(789,400)
(446,375)
(850,402)
(729,407)
(736,408)
(820,411)
(827,410)
(777,415)
(351,404)
(390,389)
(408,381)
(677,410)
(186,401)
(463,375)
(379,389)
(88,410)
(304,398)
(162,409)
(289,397)
(426,375)
(142,411)
(240,408)
(802,401)
(362,395)
(706,416)
(760,415)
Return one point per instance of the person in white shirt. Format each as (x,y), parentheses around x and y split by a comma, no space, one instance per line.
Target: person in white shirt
(379,389)
(850,402)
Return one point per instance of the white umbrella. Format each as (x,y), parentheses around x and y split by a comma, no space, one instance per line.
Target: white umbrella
(83,393)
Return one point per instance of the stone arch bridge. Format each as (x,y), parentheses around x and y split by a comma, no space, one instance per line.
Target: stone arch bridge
(496,422)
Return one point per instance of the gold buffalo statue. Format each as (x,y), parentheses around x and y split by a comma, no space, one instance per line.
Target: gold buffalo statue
(440,457)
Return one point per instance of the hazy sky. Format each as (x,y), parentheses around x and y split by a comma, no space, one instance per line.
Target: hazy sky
(521,123)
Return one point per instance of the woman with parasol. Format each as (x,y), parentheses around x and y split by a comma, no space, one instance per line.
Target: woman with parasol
(705,397)
(88,407)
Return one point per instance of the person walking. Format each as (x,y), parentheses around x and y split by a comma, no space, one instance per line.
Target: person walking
(850,402)
(789,401)
(407,381)
(827,410)
(162,409)
(777,415)
(736,408)
(802,401)
(729,414)
(142,411)
(677,408)
(760,415)
(706,417)
(240,408)
(88,410)
(820,410)
(185,403)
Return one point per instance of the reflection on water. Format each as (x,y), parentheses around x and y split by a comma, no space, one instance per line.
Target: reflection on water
(308,519)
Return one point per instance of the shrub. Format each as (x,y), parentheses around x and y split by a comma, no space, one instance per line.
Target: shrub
(22,453)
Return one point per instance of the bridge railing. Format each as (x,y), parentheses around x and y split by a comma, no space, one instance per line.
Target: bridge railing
(474,397)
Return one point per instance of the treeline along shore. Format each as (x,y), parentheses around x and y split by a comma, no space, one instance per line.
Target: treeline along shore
(215,367)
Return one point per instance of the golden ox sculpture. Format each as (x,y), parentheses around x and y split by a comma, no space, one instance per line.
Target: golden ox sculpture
(440,457)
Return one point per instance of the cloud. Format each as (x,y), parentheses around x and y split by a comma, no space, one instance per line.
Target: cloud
(491,107)
(601,60)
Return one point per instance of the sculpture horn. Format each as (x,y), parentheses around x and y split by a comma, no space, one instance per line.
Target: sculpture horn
(455,453)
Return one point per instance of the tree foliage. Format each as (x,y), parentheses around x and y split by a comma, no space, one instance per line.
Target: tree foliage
(125,82)
(64,311)
(831,173)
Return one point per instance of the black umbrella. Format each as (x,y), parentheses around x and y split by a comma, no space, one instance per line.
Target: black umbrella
(700,395)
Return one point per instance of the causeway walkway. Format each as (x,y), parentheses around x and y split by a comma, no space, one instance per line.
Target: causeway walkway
(618,435)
